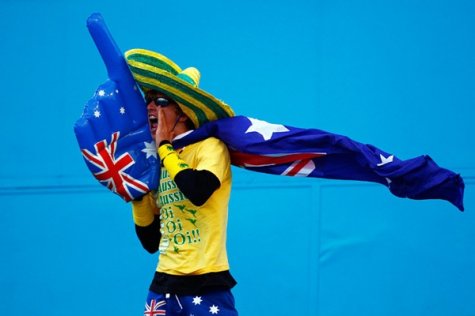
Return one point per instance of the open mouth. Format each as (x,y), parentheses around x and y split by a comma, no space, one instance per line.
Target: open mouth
(153,122)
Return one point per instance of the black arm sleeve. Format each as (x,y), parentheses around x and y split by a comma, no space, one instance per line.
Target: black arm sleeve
(197,185)
(149,236)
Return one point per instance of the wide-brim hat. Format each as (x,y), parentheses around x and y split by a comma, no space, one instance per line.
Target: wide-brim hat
(153,71)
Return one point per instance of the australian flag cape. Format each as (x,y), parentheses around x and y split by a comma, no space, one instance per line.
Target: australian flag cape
(284,150)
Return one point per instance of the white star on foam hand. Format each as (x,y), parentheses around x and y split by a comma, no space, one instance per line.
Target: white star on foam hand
(101,93)
(150,150)
(265,129)
(197,300)
(122,110)
(97,113)
(385,160)
(214,309)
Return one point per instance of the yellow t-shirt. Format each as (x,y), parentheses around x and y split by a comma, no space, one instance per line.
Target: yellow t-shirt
(194,237)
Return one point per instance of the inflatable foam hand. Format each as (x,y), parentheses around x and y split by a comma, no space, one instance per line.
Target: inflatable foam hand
(113,132)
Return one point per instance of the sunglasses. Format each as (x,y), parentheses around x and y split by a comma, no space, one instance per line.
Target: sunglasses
(160,101)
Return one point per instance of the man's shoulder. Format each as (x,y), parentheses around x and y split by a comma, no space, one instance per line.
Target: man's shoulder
(211,142)
(210,149)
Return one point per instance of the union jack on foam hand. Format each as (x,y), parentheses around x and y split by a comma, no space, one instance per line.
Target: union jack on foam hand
(113,132)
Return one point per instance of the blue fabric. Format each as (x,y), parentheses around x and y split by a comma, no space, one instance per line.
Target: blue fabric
(213,303)
(284,150)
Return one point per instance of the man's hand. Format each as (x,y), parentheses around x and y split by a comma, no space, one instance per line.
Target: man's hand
(163,131)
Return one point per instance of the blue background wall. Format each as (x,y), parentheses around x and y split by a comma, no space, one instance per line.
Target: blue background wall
(397,74)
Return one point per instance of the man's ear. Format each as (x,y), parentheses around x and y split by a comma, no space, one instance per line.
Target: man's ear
(187,121)
(183,118)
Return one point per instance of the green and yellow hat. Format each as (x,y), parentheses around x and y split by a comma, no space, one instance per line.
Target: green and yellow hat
(153,71)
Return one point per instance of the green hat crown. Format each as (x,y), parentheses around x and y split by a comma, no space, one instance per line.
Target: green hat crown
(190,75)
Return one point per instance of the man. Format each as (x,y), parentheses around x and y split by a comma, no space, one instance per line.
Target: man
(186,219)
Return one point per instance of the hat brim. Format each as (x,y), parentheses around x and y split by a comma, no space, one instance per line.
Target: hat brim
(153,71)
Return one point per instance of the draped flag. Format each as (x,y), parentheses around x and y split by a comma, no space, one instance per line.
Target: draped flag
(284,150)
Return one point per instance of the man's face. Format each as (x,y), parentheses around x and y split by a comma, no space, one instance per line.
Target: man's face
(170,110)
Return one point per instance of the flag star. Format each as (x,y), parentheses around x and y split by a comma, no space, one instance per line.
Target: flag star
(97,113)
(150,150)
(265,129)
(116,91)
(122,110)
(385,160)
(214,309)
(197,300)
(101,93)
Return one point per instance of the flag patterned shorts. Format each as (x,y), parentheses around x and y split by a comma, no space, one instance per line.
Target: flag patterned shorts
(219,303)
